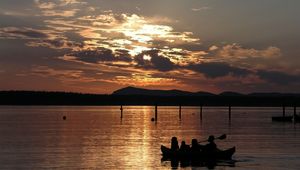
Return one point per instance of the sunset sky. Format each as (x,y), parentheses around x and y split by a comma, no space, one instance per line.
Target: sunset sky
(98,46)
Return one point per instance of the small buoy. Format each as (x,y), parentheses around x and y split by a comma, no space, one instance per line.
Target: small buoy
(64,117)
(152,119)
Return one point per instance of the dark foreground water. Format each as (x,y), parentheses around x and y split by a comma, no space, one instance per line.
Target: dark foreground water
(96,137)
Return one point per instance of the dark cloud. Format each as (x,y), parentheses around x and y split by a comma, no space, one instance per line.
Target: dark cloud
(55,44)
(218,69)
(30,33)
(178,53)
(157,61)
(277,77)
(13,32)
(102,55)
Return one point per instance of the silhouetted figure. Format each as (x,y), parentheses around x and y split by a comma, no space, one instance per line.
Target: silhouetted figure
(195,146)
(184,147)
(174,163)
(64,117)
(174,144)
(211,146)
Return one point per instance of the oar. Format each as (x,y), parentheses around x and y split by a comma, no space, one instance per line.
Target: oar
(220,138)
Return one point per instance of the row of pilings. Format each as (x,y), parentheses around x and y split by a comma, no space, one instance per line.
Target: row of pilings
(201,111)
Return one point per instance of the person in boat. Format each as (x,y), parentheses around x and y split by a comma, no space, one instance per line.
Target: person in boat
(195,146)
(211,146)
(184,147)
(174,144)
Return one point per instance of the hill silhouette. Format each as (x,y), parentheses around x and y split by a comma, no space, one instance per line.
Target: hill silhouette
(229,93)
(139,91)
(139,96)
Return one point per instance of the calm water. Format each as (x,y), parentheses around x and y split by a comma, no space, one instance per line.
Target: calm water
(96,137)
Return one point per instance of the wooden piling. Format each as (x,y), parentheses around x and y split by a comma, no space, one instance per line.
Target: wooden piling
(155,112)
(201,112)
(180,112)
(121,109)
(229,112)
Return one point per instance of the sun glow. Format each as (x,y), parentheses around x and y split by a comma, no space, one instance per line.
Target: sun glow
(133,33)
(137,50)
(148,32)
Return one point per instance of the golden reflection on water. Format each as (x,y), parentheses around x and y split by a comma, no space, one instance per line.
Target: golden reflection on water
(140,153)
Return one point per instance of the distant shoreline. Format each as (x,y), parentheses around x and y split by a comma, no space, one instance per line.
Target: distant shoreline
(76,99)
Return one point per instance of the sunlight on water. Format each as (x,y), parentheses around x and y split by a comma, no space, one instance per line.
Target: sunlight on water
(96,137)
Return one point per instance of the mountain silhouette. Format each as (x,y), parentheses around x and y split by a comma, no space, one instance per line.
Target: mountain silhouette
(146,92)
(229,93)
(139,91)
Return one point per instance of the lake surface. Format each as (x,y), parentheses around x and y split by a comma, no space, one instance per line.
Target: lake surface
(37,137)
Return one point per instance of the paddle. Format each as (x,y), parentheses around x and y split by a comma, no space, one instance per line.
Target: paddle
(220,138)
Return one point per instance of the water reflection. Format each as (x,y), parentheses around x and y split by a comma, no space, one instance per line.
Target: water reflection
(139,152)
(176,164)
(96,138)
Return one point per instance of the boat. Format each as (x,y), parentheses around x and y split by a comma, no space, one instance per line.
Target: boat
(282,118)
(201,155)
